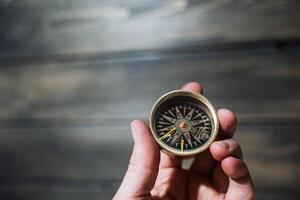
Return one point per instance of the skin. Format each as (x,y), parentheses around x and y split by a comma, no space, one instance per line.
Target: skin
(217,173)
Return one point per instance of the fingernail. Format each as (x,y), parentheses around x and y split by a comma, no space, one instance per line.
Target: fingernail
(224,144)
(132,126)
(134,132)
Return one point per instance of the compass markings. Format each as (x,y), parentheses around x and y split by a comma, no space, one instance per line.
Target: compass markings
(198,134)
(188,138)
(170,119)
(175,137)
(190,114)
(166,128)
(198,139)
(178,113)
(164,123)
(171,113)
(206,124)
(197,122)
(169,138)
(200,114)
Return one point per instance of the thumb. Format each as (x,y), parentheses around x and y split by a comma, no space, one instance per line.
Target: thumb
(240,183)
(143,166)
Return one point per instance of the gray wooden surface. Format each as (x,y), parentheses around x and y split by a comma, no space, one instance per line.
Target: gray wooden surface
(34,27)
(73,74)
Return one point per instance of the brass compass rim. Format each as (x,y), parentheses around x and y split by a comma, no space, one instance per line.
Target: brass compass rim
(205,102)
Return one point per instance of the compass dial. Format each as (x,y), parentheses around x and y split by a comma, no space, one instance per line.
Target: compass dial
(183,123)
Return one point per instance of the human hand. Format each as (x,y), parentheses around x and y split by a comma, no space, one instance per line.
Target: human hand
(217,173)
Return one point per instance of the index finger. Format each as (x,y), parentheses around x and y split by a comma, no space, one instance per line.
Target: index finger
(227,122)
(193,87)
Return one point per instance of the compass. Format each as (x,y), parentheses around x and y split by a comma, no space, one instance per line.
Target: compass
(183,123)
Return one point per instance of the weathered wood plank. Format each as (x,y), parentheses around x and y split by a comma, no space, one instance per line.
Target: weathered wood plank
(46,193)
(38,192)
(32,27)
(255,85)
(26,190)
(84,152)
(60,121)
(79,160)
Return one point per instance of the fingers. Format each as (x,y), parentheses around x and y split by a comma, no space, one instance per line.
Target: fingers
(168,161)
(220,179)
(224,148)
(229,153)
(228,123)
(220,150)
(235,168)
(143,167)
(240,183)
(204,163)
(193,87)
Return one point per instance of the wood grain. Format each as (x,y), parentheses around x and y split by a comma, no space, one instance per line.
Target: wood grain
(64,128)
(32,27)
(256,85)
(73,74)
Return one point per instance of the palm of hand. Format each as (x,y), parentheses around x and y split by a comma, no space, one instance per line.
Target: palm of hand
(176,183)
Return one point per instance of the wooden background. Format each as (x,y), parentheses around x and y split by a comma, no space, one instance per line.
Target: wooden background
(74,73)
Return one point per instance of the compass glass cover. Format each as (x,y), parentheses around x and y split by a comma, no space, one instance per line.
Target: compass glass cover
(183,124)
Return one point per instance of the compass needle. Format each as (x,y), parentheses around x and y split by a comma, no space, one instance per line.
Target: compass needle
(168,128)
(181,145)
(168,133)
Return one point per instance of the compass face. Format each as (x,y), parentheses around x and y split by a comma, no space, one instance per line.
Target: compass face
(183,123)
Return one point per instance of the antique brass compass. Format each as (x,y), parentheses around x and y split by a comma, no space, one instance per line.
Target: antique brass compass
(183,123)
